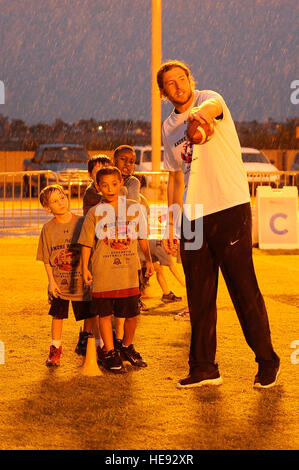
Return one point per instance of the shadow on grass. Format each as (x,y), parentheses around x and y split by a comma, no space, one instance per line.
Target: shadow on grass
(267,420)
(163,309)
(80,413)
(162,313)
(121,413)
(258,426)
(285,299)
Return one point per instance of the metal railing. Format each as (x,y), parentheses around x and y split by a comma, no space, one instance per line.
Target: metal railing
(20,210)
(276,179)
(74,182)
(19,204)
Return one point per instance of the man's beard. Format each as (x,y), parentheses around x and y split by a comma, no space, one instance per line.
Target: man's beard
(181,103)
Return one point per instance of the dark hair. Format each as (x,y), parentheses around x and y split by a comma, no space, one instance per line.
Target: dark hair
(99,158)
(108,170)
(170,65)
(123,148)
(45,194)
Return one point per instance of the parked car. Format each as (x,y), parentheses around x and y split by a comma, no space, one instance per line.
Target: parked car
(253,159)
(144,161)
(68,161)
(256,161)
(144,158)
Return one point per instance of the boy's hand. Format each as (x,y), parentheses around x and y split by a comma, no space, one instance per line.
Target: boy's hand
(87,277)
(53,289)
(170,243)
(149,269)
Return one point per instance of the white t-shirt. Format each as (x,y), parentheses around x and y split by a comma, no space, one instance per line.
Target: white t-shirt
(214,173)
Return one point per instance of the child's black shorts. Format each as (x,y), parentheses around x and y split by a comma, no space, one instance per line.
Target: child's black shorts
(60,307)
(121,307)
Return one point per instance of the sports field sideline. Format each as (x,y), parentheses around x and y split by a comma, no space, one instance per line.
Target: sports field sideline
(62,409)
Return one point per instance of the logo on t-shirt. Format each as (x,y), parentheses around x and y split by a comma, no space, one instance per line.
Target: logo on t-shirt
(67,260)
(119,237)
(187,152)
(120,244)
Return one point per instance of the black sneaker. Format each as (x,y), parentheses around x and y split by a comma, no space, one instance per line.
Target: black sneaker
(129,354)
(170,298)
(112,361)
(200,379)
(82,343)
(267,374)
(101,355)
(118,344)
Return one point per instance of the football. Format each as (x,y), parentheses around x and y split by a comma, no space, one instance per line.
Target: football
(199,133)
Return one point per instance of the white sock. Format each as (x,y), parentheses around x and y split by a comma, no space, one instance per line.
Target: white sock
(56,343)
(99,342)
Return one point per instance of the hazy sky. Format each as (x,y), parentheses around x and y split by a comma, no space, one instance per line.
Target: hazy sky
(77,59)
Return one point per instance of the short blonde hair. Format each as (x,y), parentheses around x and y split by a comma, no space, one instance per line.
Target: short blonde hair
(170,65)
(45,194)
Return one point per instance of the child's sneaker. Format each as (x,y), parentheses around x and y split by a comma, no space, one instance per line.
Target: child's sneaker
(118,344)
(112,361)
(82,343)
(54,356)
(184,315)
(129,354)
(101,355)
(170,298)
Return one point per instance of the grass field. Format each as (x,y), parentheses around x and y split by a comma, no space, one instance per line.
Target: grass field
(62,409)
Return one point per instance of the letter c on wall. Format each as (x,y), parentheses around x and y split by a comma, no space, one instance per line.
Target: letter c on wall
(272,223)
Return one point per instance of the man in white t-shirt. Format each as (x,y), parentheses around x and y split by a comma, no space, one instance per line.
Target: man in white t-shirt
(209,182)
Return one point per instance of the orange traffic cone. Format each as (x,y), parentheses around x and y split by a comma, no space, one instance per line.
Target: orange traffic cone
(90,366)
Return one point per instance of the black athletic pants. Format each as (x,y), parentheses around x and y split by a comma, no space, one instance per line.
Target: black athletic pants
(226,244)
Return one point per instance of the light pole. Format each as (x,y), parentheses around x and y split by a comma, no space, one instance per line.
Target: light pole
(156,101)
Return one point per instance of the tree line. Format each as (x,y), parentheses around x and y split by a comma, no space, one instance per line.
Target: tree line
(15,134)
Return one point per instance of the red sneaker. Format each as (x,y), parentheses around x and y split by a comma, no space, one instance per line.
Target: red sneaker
(54,356)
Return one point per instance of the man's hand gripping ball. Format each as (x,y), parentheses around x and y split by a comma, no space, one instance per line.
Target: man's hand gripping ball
(200,128)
